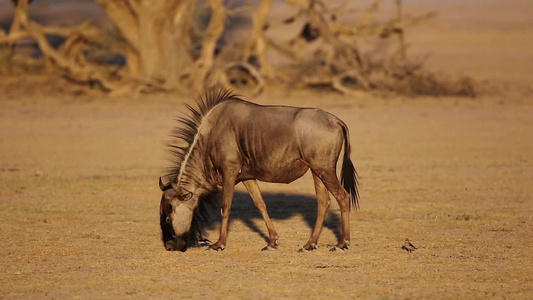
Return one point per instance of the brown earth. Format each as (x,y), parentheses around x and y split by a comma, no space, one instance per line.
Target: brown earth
(79,197)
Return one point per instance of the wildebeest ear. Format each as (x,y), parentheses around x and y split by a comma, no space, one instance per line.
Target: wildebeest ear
(185,196)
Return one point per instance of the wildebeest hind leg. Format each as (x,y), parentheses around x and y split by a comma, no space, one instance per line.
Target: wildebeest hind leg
(253,188)
(323,202)
(343,199)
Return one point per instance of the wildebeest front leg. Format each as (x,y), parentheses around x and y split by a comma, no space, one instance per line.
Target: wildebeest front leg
(253,188)
(228,187)
(323,202)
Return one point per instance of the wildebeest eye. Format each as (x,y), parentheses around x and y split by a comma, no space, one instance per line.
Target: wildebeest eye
(168,220)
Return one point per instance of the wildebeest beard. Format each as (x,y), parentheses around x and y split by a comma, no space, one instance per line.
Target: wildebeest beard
(195,236)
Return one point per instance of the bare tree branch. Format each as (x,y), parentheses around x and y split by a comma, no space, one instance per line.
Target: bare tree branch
(213,32)
(75,71)
(257,43)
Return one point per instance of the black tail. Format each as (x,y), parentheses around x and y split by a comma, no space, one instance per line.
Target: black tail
(348,172)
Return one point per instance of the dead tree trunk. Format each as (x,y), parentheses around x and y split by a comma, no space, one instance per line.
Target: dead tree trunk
(156,34)
(159,41)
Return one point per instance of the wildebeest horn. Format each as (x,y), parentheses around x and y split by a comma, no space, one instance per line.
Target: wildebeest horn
(169,194)
(161,185)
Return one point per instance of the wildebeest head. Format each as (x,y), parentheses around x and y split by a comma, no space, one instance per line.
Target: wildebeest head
(176,216)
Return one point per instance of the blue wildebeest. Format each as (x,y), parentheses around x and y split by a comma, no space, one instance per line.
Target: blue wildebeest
(227,140)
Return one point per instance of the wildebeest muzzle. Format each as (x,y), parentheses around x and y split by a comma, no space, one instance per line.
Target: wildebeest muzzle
(177,244)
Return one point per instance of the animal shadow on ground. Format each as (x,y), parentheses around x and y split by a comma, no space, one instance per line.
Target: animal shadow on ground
(280,207)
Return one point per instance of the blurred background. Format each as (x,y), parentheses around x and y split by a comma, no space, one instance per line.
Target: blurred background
(407,47)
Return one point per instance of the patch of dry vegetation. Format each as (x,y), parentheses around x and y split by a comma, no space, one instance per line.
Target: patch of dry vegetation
(181,45)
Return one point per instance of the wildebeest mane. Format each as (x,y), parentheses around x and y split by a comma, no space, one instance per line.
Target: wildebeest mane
(183,136)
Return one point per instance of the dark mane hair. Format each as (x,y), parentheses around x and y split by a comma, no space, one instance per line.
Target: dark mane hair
(182,138)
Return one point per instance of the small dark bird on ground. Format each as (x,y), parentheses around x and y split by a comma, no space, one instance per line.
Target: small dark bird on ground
(407,246)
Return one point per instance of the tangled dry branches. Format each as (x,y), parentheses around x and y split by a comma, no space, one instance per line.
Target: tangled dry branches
(166,46)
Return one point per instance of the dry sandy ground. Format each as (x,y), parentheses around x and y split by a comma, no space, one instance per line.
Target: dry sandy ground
(79,198)
(79,205)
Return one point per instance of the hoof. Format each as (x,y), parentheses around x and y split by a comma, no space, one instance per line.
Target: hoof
(337,249)
(216,248)
(310,248)
(341,247)
(269,248)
